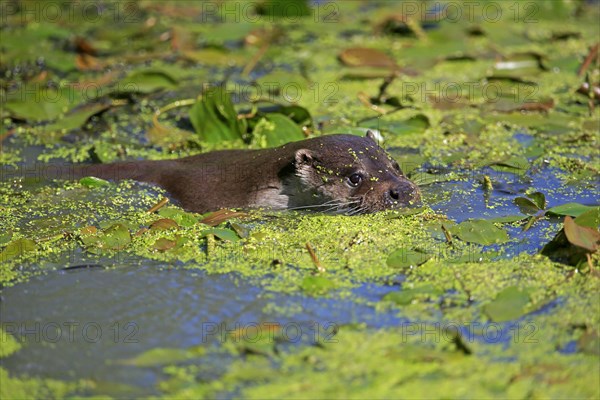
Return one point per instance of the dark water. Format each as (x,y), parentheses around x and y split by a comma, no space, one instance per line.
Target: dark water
(79,323)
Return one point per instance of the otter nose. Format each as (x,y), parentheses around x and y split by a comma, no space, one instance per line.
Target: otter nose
(404,192)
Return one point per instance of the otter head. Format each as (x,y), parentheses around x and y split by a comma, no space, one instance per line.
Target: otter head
(352,175)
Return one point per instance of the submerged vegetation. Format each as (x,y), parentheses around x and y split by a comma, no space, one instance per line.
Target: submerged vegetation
(489,290)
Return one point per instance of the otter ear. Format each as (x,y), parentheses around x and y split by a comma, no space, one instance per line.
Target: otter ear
(375,136)
(371,135)
(304,157)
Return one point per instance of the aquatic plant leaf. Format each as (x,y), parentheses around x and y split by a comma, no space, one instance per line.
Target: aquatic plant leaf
(93,182)
(581,236)
(405,297)
(526,206)
(405,258)
(276,130)
(217,217)
(17,248)
(316,284)
(76,119)
(116,237)
(509,304)
(182,218)
(214,117)
(416,124)
(40,105)
(163,355)
(366,57)
(539,199)
(572,209)
(516,162)
(221,233)
(507,219)
(479,231)
(562,249)
(164,224)
(147,81)
(164,244)
(590,218)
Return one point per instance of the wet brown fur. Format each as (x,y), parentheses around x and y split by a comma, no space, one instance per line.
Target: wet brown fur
(308,174)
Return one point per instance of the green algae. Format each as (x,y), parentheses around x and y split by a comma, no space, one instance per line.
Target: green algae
(413,361)
(12,387)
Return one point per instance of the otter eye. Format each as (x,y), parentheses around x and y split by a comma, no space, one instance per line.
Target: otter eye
(355,179)
(396,166)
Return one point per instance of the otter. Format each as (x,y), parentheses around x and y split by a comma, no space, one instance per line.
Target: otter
(338,173)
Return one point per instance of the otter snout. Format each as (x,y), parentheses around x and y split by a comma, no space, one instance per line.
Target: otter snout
(404,193)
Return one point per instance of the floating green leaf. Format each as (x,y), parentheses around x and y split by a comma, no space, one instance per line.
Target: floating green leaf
(41,105)
(527,206)
(93,182)
(75,119)
(479,231)
(17,248)
(416,124)
(539,199)
(509,304)
(164,224)
(316,284)
(407,296)
(507,219)
(164,244)
(182,218)
(116,237)
(590,218)
(572,209)
(147,81)
(404,258)
(221,233)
